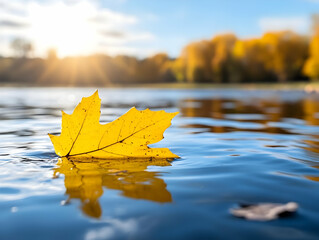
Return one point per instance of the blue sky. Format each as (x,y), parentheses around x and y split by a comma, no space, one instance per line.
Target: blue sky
(146,27)
(177,22)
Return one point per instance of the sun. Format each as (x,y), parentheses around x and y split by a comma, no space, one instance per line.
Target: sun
(67,28)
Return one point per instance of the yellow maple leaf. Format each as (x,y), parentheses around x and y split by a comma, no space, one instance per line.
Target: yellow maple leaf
(82,136)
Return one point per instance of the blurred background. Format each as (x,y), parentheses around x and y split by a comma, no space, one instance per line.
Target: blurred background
(103,43)
(243,75)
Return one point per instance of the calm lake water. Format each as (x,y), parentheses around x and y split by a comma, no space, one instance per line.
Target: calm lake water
(236,146)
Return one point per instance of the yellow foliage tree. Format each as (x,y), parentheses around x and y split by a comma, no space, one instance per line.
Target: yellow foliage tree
(155,69)
(252,57)
(287,52)
(311,68)
(222,61)
(178,69)
(207,61)
(195,58)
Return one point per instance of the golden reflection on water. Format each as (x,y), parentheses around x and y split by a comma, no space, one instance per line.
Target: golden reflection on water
(311,107)
(85,180)
(312,146)
(313,178)
(270,111)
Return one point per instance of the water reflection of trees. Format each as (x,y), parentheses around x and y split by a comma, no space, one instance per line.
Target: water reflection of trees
(314,178)
(264,111)
(271,114)
(311,116)
(85,181)
(311,111)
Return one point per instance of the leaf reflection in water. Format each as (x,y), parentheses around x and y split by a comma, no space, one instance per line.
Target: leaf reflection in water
(84,180)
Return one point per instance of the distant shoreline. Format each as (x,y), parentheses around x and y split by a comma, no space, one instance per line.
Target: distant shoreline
(307,86)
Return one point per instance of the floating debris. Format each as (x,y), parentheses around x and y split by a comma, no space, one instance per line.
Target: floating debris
(264,211)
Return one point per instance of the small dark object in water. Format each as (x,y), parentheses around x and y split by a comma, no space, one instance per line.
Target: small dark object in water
(264,211)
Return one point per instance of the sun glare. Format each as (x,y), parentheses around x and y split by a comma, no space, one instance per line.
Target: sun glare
(65,28)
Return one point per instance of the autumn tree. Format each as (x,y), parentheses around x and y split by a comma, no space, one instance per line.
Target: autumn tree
(286,54)
(207,61)
(223,64)
(123,69)
(195,59)
(311,68)
(251,56)
(155,69)
(177,67)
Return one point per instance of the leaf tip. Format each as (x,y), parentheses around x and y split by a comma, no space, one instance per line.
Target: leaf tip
(173,114)
(173,156)
(51,136)
(94,96)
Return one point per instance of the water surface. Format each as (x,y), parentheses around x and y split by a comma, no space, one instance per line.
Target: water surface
(236,146)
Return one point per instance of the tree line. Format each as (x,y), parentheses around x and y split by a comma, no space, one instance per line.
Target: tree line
(283,56)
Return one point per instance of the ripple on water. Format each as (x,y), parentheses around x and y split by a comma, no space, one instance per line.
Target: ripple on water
(236,146)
